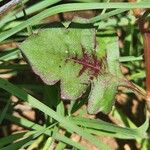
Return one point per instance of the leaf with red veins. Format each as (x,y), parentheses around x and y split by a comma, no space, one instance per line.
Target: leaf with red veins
(89,62)
(71,57)
(59,54)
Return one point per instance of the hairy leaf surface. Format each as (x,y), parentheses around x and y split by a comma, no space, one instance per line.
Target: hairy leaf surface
(64,55)
(72,56)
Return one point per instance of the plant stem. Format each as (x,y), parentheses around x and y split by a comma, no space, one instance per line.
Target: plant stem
(144,28)
(8,7)
(146,38)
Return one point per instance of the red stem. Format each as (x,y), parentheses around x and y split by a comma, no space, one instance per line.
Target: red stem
(146,37)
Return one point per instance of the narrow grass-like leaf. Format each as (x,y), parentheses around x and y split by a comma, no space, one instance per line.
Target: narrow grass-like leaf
(37,104)
(23,122)
(4,110)
(27,139)
(9,55)
(67,8)
(47,143)
(18,144)
(33,144)
(15,67)
(69,141)
(130,58)
(60,145)
(11,138)
(138,75)
(106,15)
(29,11)
(120,132)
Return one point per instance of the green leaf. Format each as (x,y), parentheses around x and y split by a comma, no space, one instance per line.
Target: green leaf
(101,127)
(11,138)
(72,56)
(113,57)
(102,94)
(74,7)
(58,54)
(65,123)
(104,87)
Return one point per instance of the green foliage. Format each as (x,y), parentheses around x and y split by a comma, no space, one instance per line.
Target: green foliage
(71,56)
(102,94)
(62,119)
(52,54)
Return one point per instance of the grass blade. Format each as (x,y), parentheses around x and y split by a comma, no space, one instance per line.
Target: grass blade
(69,125)
(120,132)
(70,7)
(30,10)
(9,139)
(2,116)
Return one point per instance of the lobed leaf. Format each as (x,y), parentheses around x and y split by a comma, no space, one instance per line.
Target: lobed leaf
(73,57)
(59,54)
